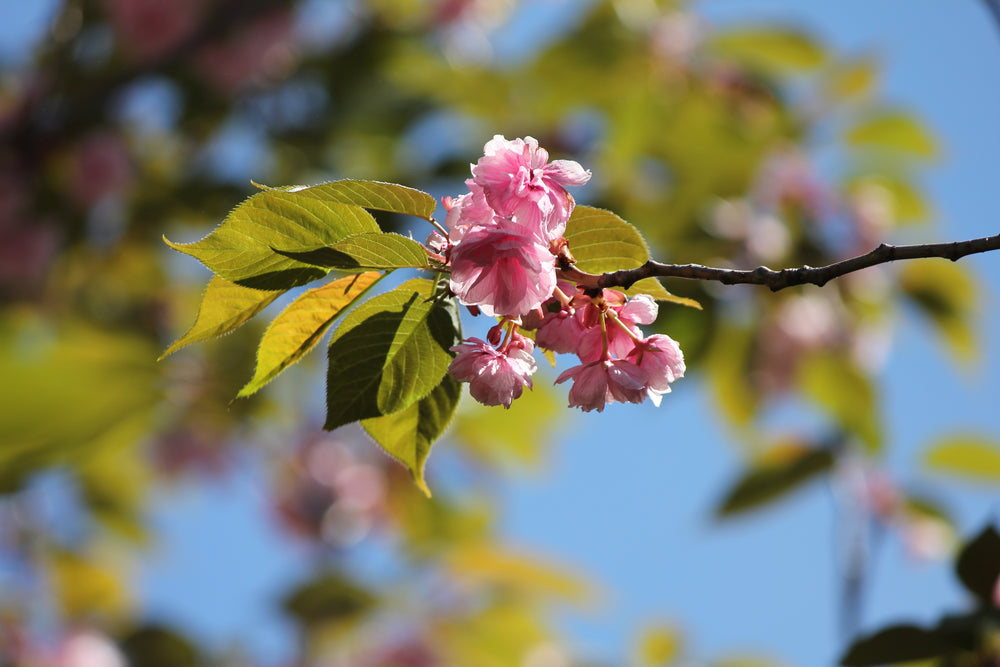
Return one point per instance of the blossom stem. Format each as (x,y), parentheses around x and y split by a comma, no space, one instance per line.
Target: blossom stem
(438,226)
(631,334)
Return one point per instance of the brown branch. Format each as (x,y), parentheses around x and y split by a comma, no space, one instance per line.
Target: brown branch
(778,280)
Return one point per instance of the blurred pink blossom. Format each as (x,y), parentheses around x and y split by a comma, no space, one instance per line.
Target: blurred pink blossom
(151,28)
(259,53)
(102,166)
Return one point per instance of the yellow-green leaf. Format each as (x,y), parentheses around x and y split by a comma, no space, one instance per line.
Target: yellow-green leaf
(371,250)
(971,456)
(389,352)
(659,646)
(770,48)
(945,293)
(225,307)
(407,435)
(300,326)
(894,131)
(836,384)
(601,242)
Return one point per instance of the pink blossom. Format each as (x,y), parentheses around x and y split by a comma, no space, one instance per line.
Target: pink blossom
(661,358)
(151,28)
(608,381)
(467,211)
(502,270)
(495,377)
(520,183)
(640,309)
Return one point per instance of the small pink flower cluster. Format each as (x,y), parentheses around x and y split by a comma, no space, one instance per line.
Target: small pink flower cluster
(504,237)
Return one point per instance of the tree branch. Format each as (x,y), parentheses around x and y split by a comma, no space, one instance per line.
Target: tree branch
(994,8)
(780,279)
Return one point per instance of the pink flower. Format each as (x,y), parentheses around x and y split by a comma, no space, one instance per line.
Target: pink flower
(502,270)
(467,211)
(495,377)
(608,381)
(520,183)
(661,358)
(640,309)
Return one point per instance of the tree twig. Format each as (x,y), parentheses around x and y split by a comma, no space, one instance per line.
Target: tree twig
(994,8)
(780,279)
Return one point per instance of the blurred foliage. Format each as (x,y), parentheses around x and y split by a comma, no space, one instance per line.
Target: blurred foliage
(129,119)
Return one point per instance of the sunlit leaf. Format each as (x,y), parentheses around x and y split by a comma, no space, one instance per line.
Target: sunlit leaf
(770,48)
(225,306)
(372,250)
(376,195)
(784,470)
(85,588)
(894,131)
(836,384)
(407,435)
(329,598)
(500,635)
(978,565)
(601,241)
(301,325)
(854,78)
(905,202)
(729,360)
(242,248)
(970,456)
(659,646)
(947,294)
(389,352)
(489,564)
(898,643)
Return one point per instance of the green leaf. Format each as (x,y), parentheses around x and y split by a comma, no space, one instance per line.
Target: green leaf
(371,250)
(241,249)
(978,565)
(906,202)
(898,643)
(300,326)
(659,646)
(601,242)
(896,131)
(375,195)
(730,360)
(971,456)
(945,293)
(785,469)
(836,384)
(390,352)
(407,435)
(852,79)
(330,598)
(158,646)
(771,49)
(225,307)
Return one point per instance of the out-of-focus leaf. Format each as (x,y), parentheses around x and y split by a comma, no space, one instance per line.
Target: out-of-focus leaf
(488,564)
(772,49)
(601,241)
(851,79)
(659,646)
(84,588)
(836,384)
(786,468)
(499,636)
(242,248)
(330,598)
(159,646)
(407,435)
(518,435)
(301,325)
(389,353)
(978,565)
(372,250)
(65,389)
(897,131)
(729,361)
(947,295)
(906,203)
(224,307)
(898,643)
(970,456)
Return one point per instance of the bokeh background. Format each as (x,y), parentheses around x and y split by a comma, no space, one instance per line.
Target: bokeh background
(809,480)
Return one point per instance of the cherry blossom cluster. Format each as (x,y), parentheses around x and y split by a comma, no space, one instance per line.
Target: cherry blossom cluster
(504,240)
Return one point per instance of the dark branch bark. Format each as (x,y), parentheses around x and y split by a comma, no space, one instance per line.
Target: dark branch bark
(780,279)
(994,8)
